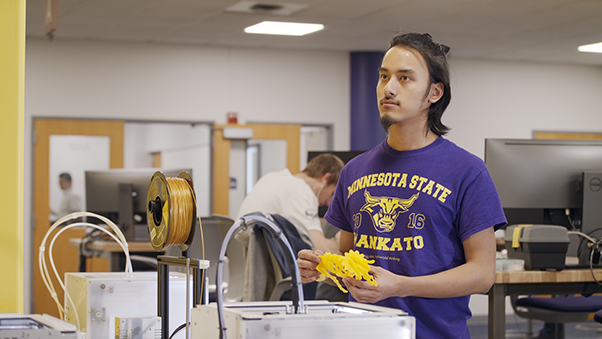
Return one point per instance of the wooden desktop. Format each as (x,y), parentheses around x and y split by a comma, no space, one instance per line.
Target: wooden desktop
(113,250)
(568,281)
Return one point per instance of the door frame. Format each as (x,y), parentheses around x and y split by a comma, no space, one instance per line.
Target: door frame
(65,256)
(221,156)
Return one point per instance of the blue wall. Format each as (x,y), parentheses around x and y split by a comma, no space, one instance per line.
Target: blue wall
(365,130)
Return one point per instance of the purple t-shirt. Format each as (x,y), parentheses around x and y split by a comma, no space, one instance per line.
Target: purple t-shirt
(410,211)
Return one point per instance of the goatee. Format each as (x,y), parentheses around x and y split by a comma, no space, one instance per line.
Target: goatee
(386,122)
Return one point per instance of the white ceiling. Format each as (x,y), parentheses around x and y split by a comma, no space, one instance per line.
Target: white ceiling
(517,30)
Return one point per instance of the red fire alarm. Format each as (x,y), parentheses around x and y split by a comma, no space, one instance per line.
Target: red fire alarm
(232,117)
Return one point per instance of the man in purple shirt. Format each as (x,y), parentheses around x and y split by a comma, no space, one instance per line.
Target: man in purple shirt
(422,208)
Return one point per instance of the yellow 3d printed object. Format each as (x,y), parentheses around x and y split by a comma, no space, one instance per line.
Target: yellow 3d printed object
(352,264)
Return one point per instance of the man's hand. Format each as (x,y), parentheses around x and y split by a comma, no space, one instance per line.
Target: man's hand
(308,260)
(387,285)
(475,276)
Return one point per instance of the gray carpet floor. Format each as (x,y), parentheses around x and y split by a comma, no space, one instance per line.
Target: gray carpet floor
(517,328)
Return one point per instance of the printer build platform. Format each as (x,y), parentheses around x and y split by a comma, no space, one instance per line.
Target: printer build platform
(35,326)
(323,319)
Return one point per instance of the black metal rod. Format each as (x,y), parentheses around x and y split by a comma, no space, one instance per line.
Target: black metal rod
(198,286)
(163,263)
(163,298)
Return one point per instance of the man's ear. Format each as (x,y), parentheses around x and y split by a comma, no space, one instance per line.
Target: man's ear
(325,177)
(436,92)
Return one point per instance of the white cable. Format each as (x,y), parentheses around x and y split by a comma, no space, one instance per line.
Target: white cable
(592,252)
(122,242)
(78,225)
(583,235)
(49,285)
(120,239)
(45,269)
(51,257)
(128,268)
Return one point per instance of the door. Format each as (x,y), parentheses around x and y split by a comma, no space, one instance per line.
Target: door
(221,157)
(65,256)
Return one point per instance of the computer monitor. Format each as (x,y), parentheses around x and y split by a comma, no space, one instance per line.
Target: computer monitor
(549,181)
(115,192)
(531,173)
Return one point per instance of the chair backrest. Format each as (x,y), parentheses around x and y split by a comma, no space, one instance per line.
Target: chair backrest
(268,263)
(236,261)
(215,228)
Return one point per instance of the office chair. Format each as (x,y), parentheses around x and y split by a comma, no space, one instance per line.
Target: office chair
(598,316)
(263,277)
(235,266)
(267,270)
(215,228)
(596,326)
(558,310)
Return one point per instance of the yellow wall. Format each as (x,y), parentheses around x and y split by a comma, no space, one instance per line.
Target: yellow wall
(12,66)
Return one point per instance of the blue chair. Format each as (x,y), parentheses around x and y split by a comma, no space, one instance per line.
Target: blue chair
(598,316)
(598,320)
(558,310)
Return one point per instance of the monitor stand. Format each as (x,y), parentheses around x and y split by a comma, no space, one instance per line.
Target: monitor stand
(591,214)
(126,210)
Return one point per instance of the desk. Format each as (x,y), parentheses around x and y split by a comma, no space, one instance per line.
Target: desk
(113,249)
(570,281)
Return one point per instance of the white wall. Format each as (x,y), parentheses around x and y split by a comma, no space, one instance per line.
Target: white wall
(137,81)
(180,82)
(511,100)
(181,145)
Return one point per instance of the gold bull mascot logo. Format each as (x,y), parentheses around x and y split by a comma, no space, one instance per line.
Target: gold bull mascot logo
(384,210)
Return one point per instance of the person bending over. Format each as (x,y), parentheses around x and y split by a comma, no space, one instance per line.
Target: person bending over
(298,196)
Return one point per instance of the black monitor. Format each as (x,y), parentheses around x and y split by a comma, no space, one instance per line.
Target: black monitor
(548,181)
(532,173)
(115,192)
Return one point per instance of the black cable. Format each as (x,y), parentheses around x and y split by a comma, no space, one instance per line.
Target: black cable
(88,238)
(589,294)
(567,212)
(596,247)
(177,330)
(583,239)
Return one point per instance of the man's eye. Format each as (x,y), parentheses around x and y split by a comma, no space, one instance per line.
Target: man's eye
(383,77)
(404,78)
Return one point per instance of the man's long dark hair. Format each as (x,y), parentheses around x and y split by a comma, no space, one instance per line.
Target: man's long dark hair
(434,55)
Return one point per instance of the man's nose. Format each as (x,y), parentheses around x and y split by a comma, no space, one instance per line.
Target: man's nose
(391,88)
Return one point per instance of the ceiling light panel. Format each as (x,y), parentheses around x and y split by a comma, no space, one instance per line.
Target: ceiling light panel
(592,48)
(283,28)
